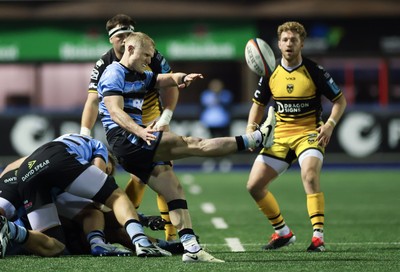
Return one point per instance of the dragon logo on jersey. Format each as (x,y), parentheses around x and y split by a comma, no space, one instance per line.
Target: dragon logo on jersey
(289,88)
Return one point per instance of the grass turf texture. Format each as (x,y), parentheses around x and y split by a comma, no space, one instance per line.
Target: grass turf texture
(361,232)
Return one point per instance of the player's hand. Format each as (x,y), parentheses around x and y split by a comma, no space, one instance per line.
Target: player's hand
(147,134)
(157,127)
(188,79)
(325,133)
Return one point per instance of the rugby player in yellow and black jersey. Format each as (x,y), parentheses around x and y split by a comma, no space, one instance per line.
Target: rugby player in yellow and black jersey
(295,88)
(118,27)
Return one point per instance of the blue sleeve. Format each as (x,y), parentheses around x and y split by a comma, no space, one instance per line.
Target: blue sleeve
(99,150)
(112,81)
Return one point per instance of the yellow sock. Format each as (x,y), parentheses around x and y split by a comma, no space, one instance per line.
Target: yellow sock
(316,210)
(170,230)
(135,191)
(269,206)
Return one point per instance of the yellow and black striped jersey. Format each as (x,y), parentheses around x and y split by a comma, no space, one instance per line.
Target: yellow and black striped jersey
(297,96)
(151,108)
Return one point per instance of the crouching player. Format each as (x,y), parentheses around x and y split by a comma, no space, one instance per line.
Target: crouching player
(76,164)
(30,240)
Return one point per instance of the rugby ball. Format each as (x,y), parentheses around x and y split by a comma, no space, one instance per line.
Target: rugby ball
(259,57)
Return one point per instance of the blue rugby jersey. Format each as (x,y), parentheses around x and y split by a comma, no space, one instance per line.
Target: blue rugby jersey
(85,147)
(132,86)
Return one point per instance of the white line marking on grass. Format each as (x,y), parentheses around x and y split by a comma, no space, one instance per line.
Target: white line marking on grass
(195,189)
(219,223)
(187,179)
(234,244)
(208,207)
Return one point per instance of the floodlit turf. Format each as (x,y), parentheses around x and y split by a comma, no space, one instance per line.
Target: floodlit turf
(362,226)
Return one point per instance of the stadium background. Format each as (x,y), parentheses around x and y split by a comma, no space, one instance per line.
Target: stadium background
(47,50)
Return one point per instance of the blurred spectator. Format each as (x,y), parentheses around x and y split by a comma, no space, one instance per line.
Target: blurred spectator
(216,102)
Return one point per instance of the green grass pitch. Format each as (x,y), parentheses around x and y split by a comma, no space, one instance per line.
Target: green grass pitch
(362,226)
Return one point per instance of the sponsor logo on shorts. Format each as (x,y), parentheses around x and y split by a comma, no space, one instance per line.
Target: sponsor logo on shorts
(31,164)
(35,169)
(312,138)
(11,180)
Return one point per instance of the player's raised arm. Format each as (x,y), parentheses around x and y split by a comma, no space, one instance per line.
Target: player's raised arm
(181,80)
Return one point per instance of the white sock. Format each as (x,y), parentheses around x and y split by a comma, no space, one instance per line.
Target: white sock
(252,140)
(319,233)
(283,231)
(191,245)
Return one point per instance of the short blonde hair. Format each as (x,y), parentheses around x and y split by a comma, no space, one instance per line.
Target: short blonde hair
(140,39)
(292,26)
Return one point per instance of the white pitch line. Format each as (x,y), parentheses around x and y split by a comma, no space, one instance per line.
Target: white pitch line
(234,244)
(208,207)
(187,179)
(219,223)
(195,189)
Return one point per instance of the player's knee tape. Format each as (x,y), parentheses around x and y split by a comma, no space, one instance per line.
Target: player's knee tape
(177,204)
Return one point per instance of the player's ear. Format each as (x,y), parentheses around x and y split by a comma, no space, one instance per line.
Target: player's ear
(131,48)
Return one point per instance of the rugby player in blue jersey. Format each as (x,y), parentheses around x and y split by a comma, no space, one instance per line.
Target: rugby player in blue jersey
(155,108)
(32,241)
(76,164)
(138,147)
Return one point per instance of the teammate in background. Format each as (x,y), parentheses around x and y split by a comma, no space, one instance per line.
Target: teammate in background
(118,27)
(138,148)
(296,88)
(76,164)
